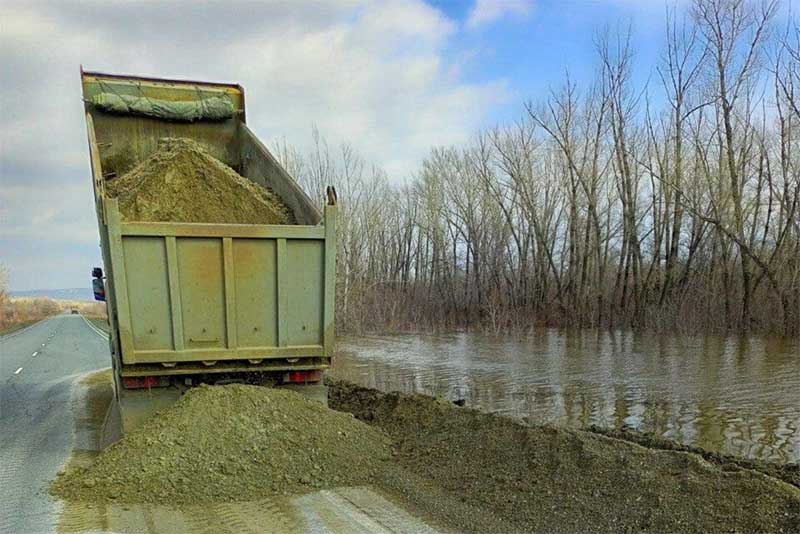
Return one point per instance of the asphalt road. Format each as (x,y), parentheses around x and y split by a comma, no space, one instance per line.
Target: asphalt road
(38,371)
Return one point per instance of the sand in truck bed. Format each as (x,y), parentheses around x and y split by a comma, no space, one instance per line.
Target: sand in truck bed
(182,182)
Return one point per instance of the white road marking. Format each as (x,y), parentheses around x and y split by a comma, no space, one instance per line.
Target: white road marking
(97,331)
(43,344)
(35,353)
(18,371)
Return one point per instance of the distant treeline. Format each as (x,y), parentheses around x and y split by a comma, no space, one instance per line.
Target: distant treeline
(670,206)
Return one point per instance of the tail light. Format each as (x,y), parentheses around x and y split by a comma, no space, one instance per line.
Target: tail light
(140,382)
(301,377)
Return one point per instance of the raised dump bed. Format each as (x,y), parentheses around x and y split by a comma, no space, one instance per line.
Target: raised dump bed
(198,302)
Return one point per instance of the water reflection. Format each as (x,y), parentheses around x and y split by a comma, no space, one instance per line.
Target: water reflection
(734,395)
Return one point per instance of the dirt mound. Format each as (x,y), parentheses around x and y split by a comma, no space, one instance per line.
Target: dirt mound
(181,182)
(231,443)
(476,468)
(789,472)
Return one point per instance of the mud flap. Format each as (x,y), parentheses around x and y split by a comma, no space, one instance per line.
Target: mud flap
(138,405)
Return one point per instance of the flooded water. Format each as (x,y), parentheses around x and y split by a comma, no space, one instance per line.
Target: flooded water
(733,395)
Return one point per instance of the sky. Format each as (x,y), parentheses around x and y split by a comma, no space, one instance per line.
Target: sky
(391,78)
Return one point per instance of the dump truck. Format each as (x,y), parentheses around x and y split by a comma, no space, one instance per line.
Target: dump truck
(204,303)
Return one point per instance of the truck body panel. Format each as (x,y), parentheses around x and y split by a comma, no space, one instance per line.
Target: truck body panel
(195,298)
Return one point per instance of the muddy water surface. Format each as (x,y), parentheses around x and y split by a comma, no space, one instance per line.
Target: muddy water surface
(733,395)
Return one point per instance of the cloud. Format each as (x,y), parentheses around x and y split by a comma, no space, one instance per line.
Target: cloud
(487,11)
(374,74)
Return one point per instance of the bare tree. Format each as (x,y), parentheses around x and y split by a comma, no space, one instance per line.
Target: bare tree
(597,207)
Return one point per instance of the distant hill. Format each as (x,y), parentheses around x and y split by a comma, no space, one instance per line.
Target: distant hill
(74,293)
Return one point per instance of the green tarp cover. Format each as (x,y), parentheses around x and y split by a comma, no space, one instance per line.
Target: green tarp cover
(213,108)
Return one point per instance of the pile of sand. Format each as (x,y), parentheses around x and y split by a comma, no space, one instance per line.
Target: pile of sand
(182,182)
(472,471)
(231,443)
(481,472)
